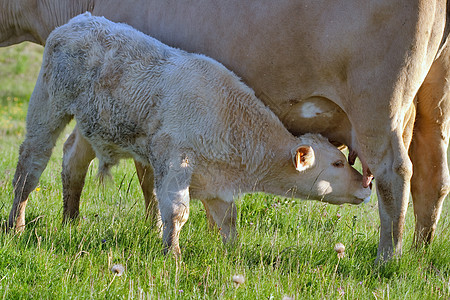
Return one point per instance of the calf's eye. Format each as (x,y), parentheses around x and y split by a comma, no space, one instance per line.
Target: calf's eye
(338,164)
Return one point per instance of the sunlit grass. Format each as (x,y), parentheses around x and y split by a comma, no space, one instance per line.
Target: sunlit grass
(19,66)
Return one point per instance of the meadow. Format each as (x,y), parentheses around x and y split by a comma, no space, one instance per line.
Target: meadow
(284,248)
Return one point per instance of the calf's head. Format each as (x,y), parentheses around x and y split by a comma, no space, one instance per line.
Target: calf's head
(319,171)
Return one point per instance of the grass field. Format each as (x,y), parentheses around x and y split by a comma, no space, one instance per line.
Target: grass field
(284,246)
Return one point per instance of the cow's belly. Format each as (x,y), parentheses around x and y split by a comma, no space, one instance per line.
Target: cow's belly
(319,115)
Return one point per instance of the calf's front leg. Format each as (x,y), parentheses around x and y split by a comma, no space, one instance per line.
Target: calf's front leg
(222,214)
(172,191)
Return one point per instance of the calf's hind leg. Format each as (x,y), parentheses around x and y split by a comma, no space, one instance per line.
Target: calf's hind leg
(43,128)
(77,156)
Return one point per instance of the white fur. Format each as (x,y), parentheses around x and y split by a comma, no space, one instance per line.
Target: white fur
(202,130)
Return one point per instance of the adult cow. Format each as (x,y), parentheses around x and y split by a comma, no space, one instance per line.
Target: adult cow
(347,69)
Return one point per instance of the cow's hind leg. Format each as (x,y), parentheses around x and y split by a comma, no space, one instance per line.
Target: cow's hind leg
(387,157)
(222,214)
(77,156)
(43,128)
(430,181)
(393,193)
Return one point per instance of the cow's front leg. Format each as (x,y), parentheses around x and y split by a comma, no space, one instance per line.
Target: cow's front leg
(77,155)
(222,214)
(146,181)
(431,181)
(172,190)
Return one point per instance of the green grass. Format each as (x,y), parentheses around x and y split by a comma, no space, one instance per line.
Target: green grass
(284,246)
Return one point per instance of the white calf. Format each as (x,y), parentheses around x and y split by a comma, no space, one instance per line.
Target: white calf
(202,130)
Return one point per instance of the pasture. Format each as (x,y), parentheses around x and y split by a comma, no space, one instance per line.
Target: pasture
(284,246)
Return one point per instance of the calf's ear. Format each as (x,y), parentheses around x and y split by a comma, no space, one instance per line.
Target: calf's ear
(303,158)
